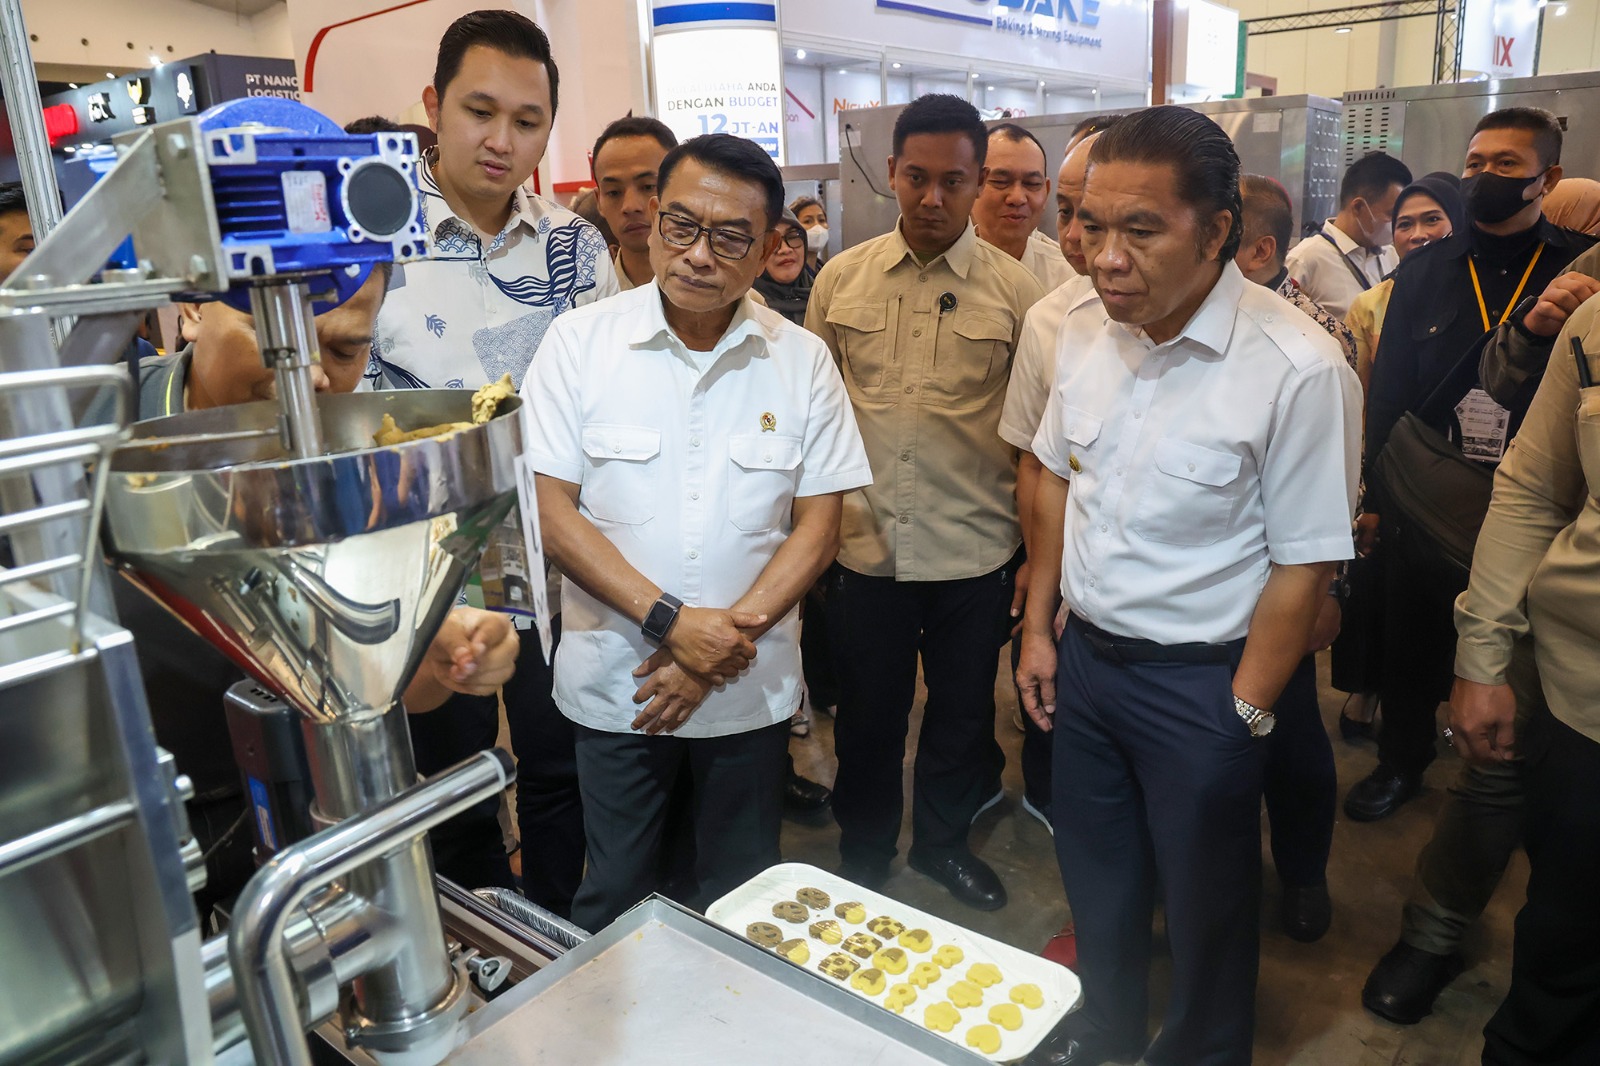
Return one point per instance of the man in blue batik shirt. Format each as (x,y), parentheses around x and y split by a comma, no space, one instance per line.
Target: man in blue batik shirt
(504,265)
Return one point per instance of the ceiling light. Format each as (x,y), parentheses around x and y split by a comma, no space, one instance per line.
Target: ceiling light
(988,88)
(1561,9)
(1342,29)
(1041,83)
(110,75)
(799,53)
(896,66)
(72,85)
(155,61)
(842,71)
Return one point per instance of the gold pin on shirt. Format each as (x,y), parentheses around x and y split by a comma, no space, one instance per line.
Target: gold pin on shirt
(769,422)
(1072,461)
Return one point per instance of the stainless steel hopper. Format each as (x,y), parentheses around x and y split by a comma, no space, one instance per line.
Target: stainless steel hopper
(326,578)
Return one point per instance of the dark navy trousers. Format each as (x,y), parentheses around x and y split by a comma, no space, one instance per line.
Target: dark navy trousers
(1155,774)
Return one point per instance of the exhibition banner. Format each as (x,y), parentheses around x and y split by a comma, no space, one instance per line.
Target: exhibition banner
(718,68)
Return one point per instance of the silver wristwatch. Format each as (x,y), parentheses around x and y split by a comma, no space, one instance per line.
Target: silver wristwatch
(1259,721)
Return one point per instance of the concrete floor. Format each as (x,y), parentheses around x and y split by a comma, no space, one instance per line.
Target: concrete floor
(1308,1000)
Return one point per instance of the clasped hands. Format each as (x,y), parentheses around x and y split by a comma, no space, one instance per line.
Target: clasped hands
(705,648)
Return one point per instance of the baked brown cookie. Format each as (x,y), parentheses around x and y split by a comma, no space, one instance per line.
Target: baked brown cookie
(764,933)
(814,898)
(854,913)
(796,951)
(827,930)
(790,911)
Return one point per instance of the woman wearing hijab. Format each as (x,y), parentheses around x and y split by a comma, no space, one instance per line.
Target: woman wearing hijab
(1429,209)
(786,283)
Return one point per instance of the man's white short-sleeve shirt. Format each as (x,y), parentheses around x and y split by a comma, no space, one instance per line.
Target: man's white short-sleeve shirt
(689,463)
(1197,464)
(1034,368)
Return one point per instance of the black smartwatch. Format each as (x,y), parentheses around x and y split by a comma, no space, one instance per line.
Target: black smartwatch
(662,614)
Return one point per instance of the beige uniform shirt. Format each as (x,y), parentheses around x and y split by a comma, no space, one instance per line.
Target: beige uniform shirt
(1538,556)
(928,385)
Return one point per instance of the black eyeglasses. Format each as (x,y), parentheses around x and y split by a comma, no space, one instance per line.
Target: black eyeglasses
(794,238)
(685,233)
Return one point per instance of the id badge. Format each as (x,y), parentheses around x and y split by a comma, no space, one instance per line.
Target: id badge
(1484,426)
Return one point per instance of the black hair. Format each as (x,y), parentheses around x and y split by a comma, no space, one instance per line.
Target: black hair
(371,124)
(1092,124)
(737,158)
(1371,176)
(634,126)
(802,202)
(509,32)
(1544,126)
(1012,132)
(941,113)
(1203,159)
(12,197)
(1267,211)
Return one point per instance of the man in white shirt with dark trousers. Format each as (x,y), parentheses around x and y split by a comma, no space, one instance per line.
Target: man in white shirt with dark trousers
(1354,250)
(1210,432)
(692,451)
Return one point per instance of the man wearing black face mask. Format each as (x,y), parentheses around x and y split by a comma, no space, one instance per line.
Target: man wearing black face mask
(1447,298)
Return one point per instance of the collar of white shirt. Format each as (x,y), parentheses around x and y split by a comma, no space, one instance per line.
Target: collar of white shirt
(1211,326)
(653,326)
(958,255)
(440,220)
(1347,246)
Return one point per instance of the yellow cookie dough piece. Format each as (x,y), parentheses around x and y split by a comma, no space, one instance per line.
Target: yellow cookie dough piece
(1027,995)
(795,951)
(925,974)
(868,981)
(827,931)
(916,939)
(790,911)
(966,994)
(948,955)
(890,960)
(984,974)
(862,944)
(1006,1016)
(814,898)
(899,998)
(487,399)
(838,966)
(941,1017)
(764,933)
(854,913)
(886,927)
(986,1038)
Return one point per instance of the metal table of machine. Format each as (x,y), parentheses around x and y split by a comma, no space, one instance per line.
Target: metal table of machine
(663,985)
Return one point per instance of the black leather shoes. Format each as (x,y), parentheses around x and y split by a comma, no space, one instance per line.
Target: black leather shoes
(969,878)
(1084,1050)
(1406,981)
(801,795)
(1380,794)
(1307,912)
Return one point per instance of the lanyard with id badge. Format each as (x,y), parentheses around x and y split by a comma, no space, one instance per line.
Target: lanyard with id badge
(1485,425)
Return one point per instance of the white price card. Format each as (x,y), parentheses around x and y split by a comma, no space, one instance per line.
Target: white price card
(533,538)
(1483,427)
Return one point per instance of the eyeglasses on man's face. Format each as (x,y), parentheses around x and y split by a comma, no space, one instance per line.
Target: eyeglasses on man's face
(681,232)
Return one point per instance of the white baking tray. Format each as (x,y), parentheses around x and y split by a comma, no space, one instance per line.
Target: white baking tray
(752,902)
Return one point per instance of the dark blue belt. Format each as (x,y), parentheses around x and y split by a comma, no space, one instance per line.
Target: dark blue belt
(1120,649)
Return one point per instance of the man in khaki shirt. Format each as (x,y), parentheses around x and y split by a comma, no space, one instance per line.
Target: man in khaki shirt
(1533,573)
(923,322)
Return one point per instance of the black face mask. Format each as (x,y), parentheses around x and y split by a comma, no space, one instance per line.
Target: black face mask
(1494,198)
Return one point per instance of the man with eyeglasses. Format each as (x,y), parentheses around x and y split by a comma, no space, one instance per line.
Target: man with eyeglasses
(924,321)
(692,450)
(1012,203)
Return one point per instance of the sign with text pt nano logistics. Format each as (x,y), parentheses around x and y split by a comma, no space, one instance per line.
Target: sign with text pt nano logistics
(718,69)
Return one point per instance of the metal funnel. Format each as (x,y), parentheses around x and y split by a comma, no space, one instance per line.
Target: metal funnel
(325,578)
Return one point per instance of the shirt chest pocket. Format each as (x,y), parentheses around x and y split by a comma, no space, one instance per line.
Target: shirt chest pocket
(860,332)
(1190,496)
(970,357)
(763,471)
(1588,430)
(621,466)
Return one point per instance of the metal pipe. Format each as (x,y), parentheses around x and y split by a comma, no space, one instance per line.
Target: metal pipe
(534,916)
(256,944)
(35,165)
(288,337)
(23,852)
(357,764)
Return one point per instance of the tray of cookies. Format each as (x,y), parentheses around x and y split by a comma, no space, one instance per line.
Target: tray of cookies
(987,996)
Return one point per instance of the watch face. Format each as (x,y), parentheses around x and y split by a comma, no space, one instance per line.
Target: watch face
(1263,725)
